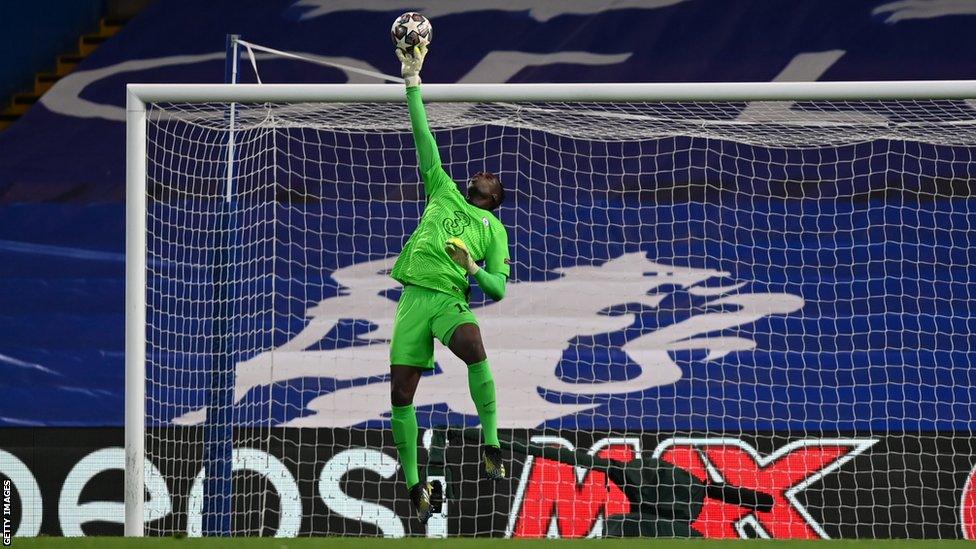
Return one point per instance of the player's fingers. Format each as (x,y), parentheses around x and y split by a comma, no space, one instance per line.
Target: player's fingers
(457,254)
(399,54)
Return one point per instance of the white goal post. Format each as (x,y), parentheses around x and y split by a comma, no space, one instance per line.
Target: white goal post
(231,96)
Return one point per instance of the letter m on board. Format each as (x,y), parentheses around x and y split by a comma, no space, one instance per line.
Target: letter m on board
(559,500)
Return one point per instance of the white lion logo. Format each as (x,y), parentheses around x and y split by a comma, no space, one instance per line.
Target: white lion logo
(526,335)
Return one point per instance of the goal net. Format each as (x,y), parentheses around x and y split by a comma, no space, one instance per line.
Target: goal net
(775,295)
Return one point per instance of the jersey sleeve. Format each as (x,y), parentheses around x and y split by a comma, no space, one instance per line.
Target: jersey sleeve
(433,174)
(496,257)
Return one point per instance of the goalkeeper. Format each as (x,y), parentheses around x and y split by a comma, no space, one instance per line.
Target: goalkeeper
(454,232)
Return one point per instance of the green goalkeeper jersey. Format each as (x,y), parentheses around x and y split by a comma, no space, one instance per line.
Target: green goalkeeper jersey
(423,261)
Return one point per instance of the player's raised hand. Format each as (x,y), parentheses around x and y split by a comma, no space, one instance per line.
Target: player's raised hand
(458,253)
(411,63)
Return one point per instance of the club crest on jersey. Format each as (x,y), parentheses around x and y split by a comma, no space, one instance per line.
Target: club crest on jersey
(455,226)
(484,220)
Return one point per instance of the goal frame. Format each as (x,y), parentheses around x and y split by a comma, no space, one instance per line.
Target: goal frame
(139,95)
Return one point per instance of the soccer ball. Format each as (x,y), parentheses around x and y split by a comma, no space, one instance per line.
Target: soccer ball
(411,29)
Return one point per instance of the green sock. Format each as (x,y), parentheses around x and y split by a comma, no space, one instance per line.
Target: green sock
(405,435)
(482,387)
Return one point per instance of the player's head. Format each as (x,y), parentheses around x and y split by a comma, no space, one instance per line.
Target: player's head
(485,191)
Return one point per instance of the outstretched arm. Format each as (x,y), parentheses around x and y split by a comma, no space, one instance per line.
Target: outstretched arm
(427,155)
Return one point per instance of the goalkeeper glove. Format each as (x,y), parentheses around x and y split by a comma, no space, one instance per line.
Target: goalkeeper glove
(411,63)
(492,284)
(458,253)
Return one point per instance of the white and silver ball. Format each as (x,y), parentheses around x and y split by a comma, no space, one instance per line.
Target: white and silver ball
(411,30)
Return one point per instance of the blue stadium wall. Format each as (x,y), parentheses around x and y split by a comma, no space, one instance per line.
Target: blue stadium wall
(33,34)
(902,455)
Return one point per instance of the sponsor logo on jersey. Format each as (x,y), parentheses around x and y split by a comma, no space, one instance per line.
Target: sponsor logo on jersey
(455,226)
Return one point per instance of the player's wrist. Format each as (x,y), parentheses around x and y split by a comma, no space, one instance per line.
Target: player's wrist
(411,81)
(473,268)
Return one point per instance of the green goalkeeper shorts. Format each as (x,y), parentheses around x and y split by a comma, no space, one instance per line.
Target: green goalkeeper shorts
(423,314)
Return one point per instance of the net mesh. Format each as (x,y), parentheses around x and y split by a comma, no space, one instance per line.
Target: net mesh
(776,295)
